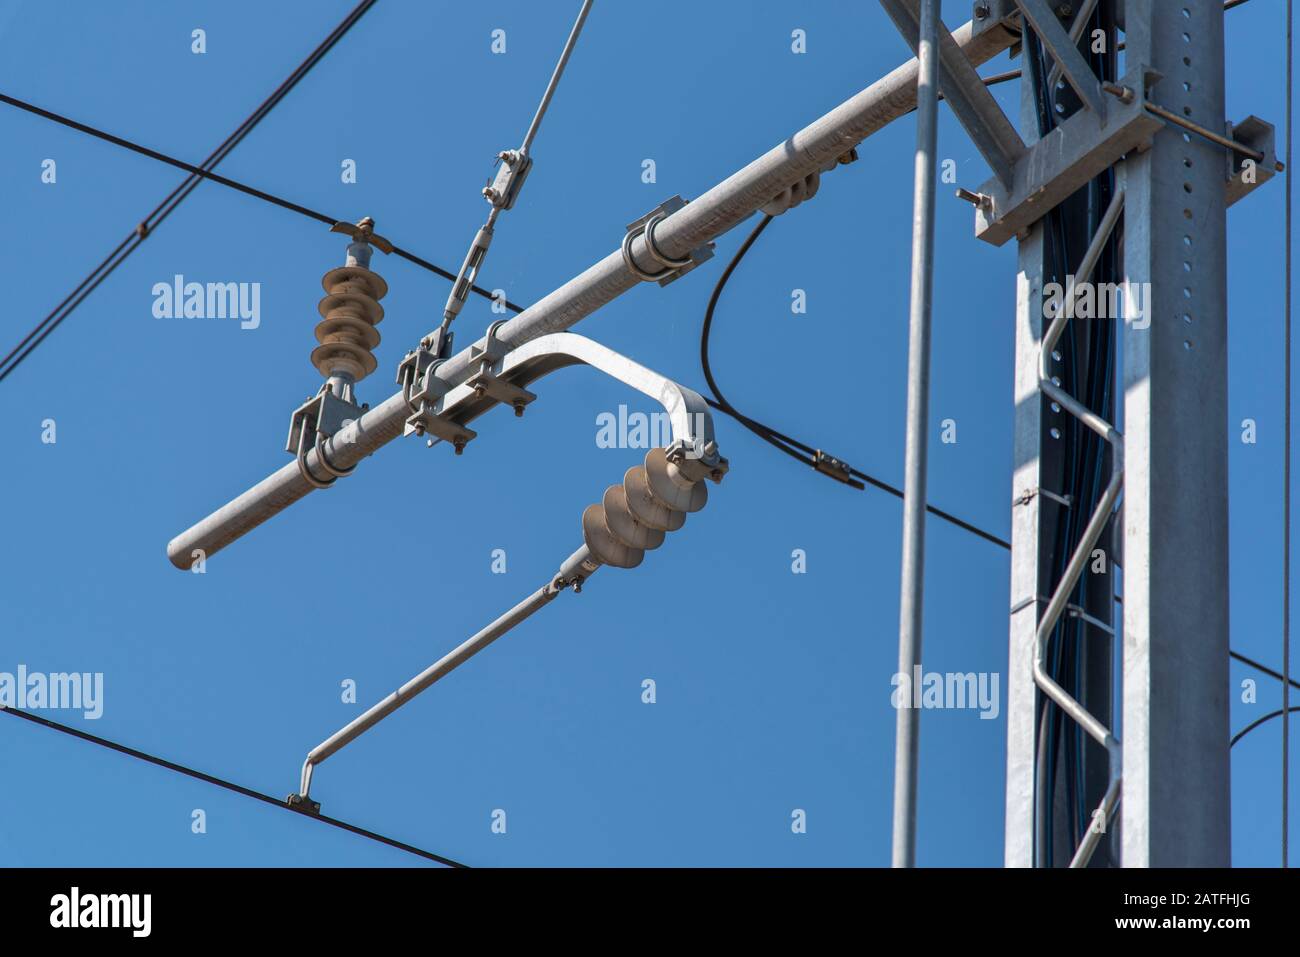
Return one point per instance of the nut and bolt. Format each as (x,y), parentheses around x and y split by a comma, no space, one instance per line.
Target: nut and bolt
(975,199)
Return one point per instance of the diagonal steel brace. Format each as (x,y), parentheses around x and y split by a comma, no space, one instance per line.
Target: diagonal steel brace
(975,108)
(1040,18)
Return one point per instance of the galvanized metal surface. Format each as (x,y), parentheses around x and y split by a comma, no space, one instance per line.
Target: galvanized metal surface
(1175,811)
(1076,152)
(1082,554)
(912,587)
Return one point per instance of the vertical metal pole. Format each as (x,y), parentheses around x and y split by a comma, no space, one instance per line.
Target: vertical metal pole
(1175,732)
(1037,465)
(918,407)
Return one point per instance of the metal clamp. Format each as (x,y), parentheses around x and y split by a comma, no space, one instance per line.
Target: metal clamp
(513,167)
(321,417)
(486,383)
(301,459)
(412,369)
(426,409)
(645,227)
(325,463)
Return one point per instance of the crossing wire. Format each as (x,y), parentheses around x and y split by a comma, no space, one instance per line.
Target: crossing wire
(228,785)
(164,209)
(230,183)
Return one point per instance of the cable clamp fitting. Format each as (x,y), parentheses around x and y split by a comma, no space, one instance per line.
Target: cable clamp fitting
(303,805)
(321,417)
(1029,494)
(512,170)
(485,382)
(645,228)
(424,398)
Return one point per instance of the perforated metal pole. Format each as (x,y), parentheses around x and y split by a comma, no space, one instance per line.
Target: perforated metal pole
(918,413)
(1175,805)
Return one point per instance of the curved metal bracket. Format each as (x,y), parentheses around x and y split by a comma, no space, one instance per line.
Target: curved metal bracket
(688,414)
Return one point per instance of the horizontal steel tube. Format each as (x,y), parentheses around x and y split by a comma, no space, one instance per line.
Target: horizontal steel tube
(703,220)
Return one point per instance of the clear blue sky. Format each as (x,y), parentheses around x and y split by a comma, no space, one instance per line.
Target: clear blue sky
(773,688)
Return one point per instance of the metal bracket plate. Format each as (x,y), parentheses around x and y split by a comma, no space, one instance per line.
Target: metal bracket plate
(1064,160)
(486,382)
(1246,175)
(324,413)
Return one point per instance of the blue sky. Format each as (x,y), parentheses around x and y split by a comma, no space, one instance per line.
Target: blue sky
(772,688)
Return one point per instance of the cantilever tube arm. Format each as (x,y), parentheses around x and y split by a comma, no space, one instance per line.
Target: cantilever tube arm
(688,415)
(706,218)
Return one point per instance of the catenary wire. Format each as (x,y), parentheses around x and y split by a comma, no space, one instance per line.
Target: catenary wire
(227,785)
(164,209)
(231,184)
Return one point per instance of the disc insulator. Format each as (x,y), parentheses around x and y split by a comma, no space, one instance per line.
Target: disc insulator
(607,549)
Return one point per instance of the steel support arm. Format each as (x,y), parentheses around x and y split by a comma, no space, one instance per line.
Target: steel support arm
(425,679)
(712,214)
(688,414)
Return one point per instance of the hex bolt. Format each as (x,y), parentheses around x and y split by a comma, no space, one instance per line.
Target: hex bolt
(975,199)
(460,446)
(981,10)
(519,410)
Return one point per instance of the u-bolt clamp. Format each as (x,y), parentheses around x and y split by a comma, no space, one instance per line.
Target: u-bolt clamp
(423,393)
(411,372)
(645,228)
(318,444)
(485,382)
(321,417)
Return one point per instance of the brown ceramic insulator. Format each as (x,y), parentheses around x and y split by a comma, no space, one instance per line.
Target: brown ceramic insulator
(350,311)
